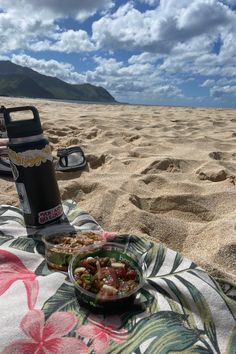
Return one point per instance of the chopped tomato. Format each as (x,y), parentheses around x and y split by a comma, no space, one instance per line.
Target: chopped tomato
(120,272)
(131,275)
(108,276)
(84,263)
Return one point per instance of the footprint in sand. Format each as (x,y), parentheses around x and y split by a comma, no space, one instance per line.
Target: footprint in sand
(154,179)
(218,176)
(213,171)
(218,155)
(90,187)
(53,139)
(133,154)
(58,132)
(70,190)
(73,141)
(73,127)
(219,124)
(74,189)
(183,206)
(131,138)
(168,165)
(96,161)
(227,255)
(92,134)
(139,127)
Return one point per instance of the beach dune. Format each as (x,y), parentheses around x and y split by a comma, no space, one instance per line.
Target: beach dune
(163,173)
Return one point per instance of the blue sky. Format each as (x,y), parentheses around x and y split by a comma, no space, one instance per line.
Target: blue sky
(171,52)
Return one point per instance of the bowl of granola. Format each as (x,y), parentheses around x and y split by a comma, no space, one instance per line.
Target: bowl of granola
(62,246)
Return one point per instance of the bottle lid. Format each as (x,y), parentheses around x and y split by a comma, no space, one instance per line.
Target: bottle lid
(24,127)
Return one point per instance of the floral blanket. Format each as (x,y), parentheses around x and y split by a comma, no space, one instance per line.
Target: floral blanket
(181,309)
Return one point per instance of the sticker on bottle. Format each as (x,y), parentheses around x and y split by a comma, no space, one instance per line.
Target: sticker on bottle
(50,214)
(24,202)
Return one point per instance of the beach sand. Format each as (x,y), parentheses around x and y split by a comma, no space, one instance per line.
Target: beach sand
(164,173)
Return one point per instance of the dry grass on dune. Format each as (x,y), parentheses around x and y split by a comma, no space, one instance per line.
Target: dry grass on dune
(164,173)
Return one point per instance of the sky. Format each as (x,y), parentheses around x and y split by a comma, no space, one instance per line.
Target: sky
(153,52)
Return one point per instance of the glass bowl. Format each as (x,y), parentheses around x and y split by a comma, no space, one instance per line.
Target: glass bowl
(109,282)
(60,247)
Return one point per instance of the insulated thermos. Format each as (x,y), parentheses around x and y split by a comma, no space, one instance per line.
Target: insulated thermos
(32,167)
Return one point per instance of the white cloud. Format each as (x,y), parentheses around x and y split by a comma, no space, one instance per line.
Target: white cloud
(197,56)
(144,58)
(24,33)
(204,16)
(31,25)
(225,81)
(140,82)
(130,29)
(229,2)
(61,70)
(222,91)
(150,2)
(157,31)
(184,55)
(20,32)
(162,29)
(73,41)
(52,9)
(4,57)
(167,91)
(208,83)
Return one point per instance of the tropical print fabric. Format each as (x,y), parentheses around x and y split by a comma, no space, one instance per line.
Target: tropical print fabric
(180,309)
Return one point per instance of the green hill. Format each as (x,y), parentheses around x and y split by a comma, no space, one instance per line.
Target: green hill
(19,81)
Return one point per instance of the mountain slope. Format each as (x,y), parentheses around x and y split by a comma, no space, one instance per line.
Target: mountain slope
(19,85)
(16,80)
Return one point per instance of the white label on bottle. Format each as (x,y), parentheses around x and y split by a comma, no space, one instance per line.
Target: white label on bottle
(24,202)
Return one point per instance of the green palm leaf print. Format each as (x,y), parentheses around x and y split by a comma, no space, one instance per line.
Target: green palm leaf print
(168,331)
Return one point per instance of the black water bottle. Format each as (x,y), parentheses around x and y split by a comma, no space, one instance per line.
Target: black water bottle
(32,167)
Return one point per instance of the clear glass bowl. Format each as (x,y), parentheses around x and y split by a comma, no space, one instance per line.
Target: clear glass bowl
(60,247)
(114,303)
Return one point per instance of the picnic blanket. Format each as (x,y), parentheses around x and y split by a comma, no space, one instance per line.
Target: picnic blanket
(181,309)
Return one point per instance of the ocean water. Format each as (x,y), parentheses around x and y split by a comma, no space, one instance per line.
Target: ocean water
(83,102)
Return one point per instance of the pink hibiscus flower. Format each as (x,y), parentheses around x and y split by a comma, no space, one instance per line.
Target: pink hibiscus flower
(101,331)
(13,269)
(47,338)
(107,235)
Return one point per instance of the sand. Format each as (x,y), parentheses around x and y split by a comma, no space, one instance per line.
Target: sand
(164,173)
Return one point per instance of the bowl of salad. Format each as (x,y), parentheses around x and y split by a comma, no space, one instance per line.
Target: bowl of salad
(106,277)
(60,247)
